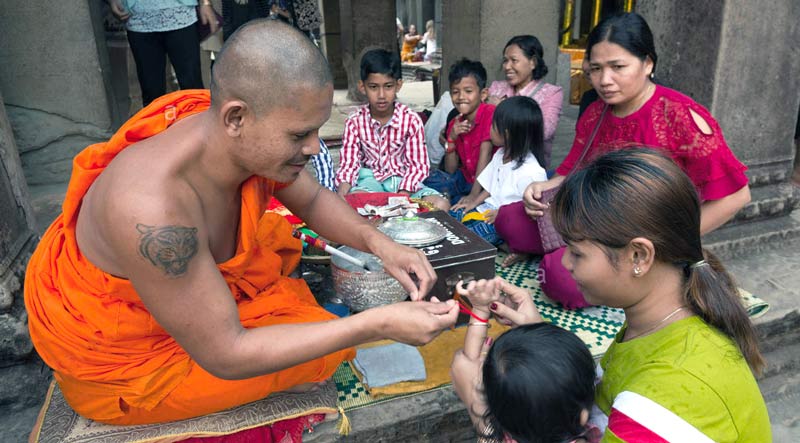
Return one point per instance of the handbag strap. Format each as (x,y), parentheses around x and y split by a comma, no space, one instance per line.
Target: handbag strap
(536,89)
(590,141)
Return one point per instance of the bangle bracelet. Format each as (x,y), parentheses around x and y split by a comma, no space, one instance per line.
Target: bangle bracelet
(487,324)
(450,141)
(205,2)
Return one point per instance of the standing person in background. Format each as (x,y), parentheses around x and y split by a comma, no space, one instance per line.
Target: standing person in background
(157,28)
(302,14)
(429,38)
(410,41)
(524,69)
(235,13)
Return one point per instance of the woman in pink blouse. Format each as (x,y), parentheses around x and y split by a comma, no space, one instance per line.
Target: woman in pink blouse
(524,68)
(622,61)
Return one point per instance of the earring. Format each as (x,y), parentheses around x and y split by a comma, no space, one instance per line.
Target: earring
(637,271)
(652,75)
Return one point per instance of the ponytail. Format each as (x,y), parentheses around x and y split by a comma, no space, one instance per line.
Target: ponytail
(713,295)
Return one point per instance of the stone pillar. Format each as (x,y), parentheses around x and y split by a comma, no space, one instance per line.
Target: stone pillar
(57,84)
(478,30)
(332,41)
(737,58)
(22,382)
(365,25)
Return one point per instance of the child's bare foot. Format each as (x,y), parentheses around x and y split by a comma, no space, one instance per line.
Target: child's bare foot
(512,258)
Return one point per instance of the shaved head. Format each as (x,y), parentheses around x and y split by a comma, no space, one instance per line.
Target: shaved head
(263,63)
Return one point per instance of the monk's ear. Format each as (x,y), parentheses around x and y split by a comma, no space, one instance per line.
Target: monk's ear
(234,113)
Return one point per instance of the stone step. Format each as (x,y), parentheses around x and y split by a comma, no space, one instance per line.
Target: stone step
(769,201)
(750,238)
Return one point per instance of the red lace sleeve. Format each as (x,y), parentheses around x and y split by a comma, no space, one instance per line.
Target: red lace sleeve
(583,131)
(706,158)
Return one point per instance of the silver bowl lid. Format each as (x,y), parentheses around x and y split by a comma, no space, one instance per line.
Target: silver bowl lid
(413,231)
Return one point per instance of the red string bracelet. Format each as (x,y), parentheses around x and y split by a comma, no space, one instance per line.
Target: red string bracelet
(472,314)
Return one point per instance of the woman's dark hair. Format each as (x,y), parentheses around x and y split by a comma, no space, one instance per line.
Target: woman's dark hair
(532,48)
(537,379)
(465,68)
(642,193)
(628,30)
(519,121)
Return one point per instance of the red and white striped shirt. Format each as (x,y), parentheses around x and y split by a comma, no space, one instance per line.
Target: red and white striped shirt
(395,149)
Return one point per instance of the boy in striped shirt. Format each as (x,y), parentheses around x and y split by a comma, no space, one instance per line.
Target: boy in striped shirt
(383,146)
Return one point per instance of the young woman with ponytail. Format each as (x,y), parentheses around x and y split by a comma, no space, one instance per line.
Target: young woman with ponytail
(681,368)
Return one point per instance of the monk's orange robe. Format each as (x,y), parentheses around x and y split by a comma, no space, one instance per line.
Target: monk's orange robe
(112,360)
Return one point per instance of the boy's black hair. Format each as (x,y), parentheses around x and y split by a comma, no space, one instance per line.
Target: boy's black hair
(537,380)
(380,61)
(520,122)
(465,68)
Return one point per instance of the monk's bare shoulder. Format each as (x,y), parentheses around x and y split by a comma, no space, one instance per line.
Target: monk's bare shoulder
(140,210)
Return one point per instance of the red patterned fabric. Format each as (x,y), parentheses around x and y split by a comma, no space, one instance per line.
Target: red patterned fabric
(284,431)
(665,122)
(468,144)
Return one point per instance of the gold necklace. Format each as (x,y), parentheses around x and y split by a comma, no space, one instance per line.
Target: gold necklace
(669,316)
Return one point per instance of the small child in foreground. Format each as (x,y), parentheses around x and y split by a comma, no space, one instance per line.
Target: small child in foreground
(537,379)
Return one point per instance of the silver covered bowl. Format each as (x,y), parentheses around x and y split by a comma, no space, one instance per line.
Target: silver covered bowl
(360,289)
(413,231)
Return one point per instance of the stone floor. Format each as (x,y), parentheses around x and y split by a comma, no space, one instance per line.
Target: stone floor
(438,416)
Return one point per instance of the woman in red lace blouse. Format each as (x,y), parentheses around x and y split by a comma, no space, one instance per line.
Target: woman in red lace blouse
(622,60)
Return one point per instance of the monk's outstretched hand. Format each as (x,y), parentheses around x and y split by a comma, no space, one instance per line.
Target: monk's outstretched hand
(401,262)
(417,323)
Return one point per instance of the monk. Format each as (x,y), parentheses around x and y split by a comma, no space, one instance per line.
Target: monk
(162,291)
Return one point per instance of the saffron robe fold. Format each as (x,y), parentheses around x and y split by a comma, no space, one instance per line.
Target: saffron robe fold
(112,360)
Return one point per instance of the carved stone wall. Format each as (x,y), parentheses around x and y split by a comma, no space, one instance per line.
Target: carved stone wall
(23,380)
(365,25)
(55,76)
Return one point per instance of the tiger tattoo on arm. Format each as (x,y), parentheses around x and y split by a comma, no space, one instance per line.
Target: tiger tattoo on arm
(169,248)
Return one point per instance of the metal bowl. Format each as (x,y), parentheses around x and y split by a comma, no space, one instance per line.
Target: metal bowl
(413,231)
(360,289)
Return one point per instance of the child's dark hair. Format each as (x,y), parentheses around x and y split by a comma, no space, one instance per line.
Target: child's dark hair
(532,48)
(537,379)
(465,68)
(519,121)
(380,61)
(642,193)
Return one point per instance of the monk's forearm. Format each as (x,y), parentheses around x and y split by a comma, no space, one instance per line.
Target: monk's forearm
(335,220)
(271,349)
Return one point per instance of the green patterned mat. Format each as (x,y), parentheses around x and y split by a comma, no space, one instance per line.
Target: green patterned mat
(596,326)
